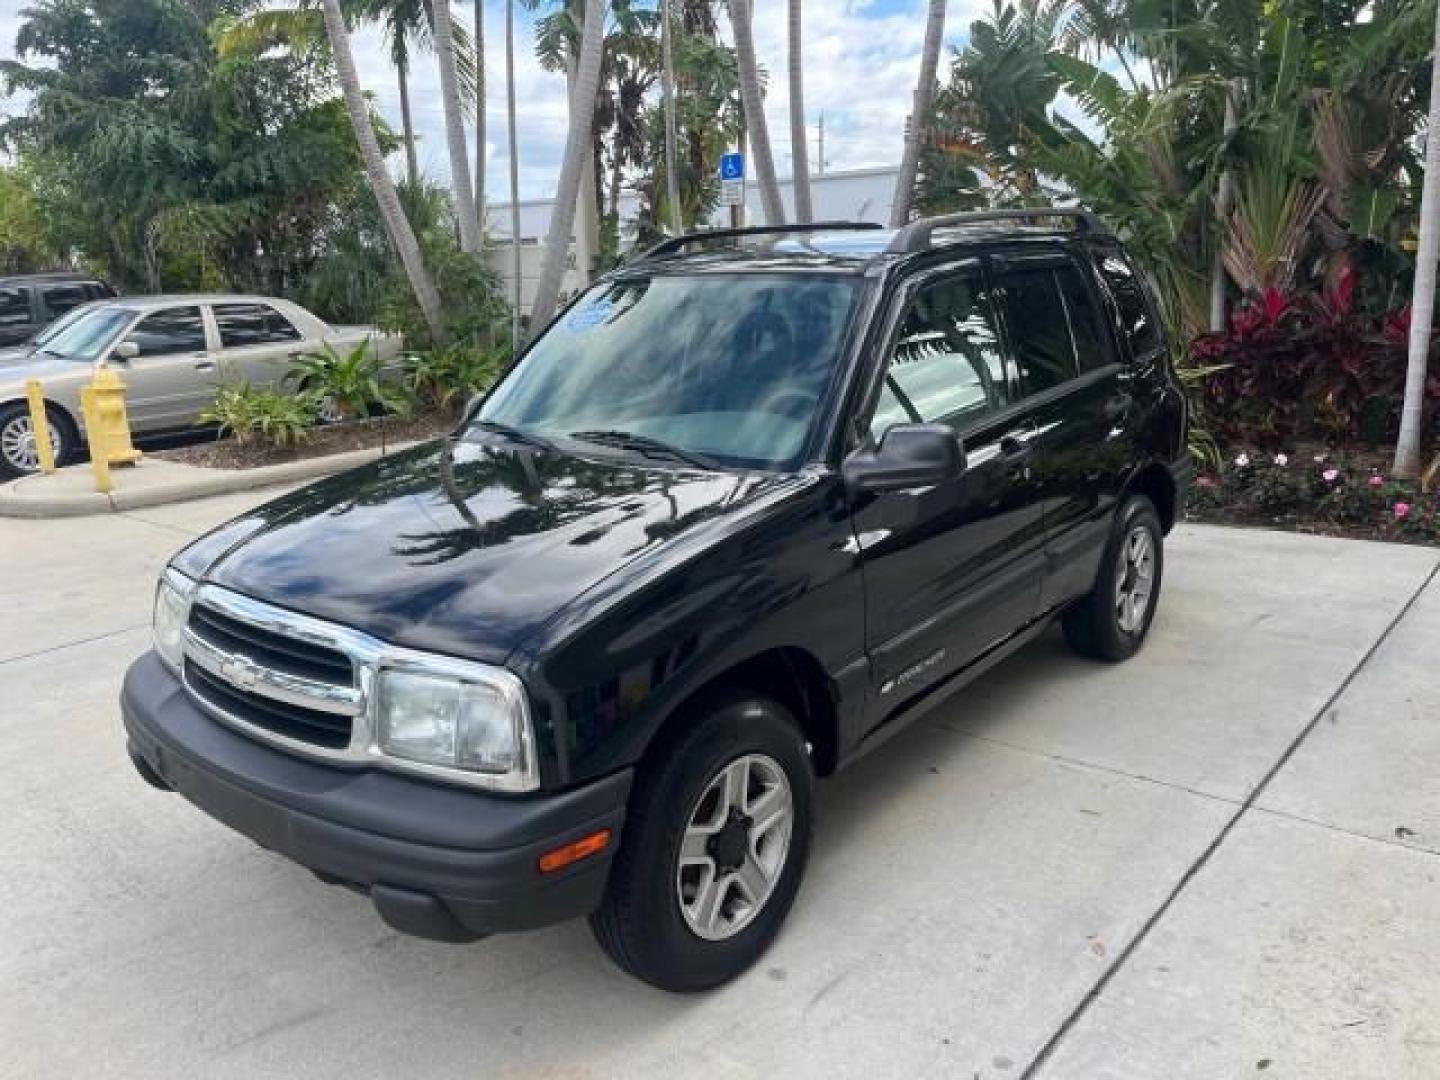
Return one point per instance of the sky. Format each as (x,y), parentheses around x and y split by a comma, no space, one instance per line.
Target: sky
(861,61)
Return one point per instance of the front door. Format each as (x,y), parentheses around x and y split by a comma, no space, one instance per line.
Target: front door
(955,569)
(171,380)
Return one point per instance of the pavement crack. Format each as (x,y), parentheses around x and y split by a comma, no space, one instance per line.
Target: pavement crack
(72,644)
(1387,841)
(1045,1052)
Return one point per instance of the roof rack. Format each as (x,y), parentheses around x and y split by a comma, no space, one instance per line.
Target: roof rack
(916,236)
(679,243)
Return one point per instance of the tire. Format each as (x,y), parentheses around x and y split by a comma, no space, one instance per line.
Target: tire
(658,920)
(1104,625)
(17,456)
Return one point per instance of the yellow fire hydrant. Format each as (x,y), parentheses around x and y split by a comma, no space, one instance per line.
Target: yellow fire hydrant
(107,428)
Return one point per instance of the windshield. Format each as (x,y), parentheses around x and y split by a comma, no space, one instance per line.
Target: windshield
(46,334)
(731,367)
(88,336)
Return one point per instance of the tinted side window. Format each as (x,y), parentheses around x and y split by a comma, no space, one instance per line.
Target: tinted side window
(1091,351)
(61,298)
(179,330)
(252,324)
(1137,321)
(97,290)
(14,307)
(947,366)
(1038,328)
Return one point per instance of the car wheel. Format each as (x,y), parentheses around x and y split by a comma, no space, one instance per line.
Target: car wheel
(715,845)
(19,455)
(1112,621)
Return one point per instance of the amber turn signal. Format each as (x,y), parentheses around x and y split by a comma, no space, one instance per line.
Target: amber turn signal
(562,857)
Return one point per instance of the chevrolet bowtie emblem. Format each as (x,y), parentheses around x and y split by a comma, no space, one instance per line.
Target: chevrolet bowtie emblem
(241,672)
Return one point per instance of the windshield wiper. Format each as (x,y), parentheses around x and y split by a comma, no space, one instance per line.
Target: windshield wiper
(518,434)
(630,440)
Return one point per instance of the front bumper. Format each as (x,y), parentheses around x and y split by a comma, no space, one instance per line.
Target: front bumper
(437,861)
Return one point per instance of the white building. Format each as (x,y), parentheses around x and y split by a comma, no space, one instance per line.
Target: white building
(850,195)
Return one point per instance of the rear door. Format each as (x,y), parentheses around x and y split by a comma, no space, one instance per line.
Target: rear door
(172,380)
(17,322)
(954,569)
(257,343)
(1077,393)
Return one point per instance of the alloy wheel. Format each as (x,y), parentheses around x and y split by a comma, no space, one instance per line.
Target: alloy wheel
(18,444)
(736,841)
(1134,579)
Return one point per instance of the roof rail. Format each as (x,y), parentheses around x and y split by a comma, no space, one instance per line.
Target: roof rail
(916,236)
(679,243)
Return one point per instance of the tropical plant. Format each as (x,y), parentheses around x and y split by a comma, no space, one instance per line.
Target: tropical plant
(447,377)
(919,115)
(513,147)
(799,141)
(346,385)
(444,32)
(247,413)
(756,128)
(396,225)
(577,147)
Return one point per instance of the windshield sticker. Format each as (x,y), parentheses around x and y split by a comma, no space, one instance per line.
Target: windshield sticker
(590,316)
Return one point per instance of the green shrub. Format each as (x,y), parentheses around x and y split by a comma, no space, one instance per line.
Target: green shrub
(445,378)
(346,386)
(277,418)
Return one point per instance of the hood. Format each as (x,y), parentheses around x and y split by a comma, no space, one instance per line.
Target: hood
(469,567)
(18,364)
(9,354)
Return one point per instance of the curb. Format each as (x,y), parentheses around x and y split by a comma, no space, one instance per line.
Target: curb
(14,503)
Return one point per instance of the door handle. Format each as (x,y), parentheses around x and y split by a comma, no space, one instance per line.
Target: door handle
(204,364)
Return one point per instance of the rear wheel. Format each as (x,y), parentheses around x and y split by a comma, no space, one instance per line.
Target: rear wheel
(19,452)
(1112,621)
(715,845)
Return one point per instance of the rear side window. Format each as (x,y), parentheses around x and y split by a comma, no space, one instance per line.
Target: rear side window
(1039,331)
(1091,351)
(252,324)
(1137,320)
(61,298)
(947,366)
(14,307)
(98,290)
(179,330)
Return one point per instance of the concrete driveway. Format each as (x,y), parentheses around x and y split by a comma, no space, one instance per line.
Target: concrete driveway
(1218,860)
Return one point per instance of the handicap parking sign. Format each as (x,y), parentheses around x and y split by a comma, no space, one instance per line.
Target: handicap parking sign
(732,166)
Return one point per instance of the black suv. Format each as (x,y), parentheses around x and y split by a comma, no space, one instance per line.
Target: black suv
(31,302)
(745,509)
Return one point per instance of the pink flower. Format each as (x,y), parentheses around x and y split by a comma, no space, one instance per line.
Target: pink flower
(1205,482)
(1243,461)
(1319,459)
(1331,475)
(1402,511)
(1282,460)
(1376,480)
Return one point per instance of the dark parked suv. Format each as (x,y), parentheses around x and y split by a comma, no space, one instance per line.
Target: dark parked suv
(30,302)
(743,511)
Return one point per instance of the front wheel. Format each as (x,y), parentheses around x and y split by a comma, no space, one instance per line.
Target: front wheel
(1111,622)
(715,846)
(19,452)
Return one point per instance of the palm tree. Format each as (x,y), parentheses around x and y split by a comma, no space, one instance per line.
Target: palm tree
(514,150)
(1422,306)
(480,113)
(919,113)
(672,154)
(396,224)
(799,148)
(455,127)
(755,112)
(578,147)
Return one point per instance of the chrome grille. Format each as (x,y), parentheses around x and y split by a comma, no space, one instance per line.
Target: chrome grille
(270,672)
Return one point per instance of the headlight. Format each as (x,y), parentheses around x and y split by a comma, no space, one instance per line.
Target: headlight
(172,611)
(473,721)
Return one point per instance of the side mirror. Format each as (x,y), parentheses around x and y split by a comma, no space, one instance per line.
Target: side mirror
(909,456)
(126,350)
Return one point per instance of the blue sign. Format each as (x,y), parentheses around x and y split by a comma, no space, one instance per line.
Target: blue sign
(732,166)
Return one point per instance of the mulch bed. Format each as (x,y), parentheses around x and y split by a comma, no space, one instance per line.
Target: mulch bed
(379,432)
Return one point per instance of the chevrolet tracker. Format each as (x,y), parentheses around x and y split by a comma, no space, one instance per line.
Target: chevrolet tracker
(744,510)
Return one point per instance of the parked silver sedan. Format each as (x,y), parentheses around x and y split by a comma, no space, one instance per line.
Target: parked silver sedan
(172,353)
